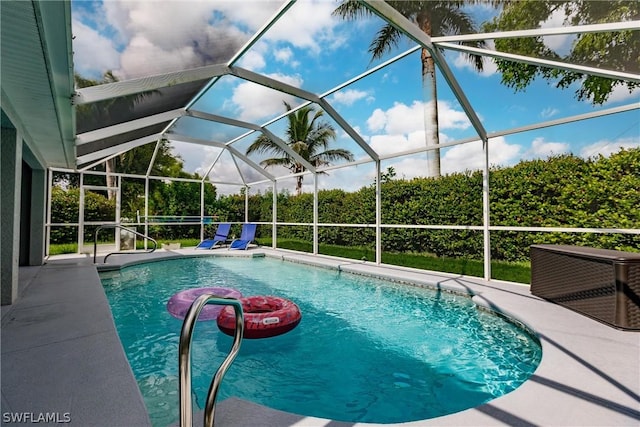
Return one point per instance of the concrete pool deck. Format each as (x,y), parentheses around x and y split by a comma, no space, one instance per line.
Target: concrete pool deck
(62,361)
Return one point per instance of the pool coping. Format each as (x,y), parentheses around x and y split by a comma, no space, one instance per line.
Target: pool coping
(589,373)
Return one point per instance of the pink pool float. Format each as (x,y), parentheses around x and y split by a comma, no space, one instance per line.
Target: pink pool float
(180,302)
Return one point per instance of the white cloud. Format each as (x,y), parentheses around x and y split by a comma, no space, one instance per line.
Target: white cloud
(308,25)
(250,13)
(621,93)
(561,44)
(86,61)
(389,78)
(404,119)
(135,58)
(470,156)
(407,167)
(170,26)
(253,61)
(196,158)
(350,96)
(606,148)
(225,170)
(449,118)
(283,55)
(255,102)
(377,121)
(460,158)
(199,158)
(255,58)
(503,153)
(549,112)
(402,127)
(156,38)
(541,149)
(393,143)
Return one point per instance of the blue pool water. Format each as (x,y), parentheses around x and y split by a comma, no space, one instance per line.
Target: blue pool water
(366,350)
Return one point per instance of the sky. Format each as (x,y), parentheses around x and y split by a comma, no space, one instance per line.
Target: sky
(315,51)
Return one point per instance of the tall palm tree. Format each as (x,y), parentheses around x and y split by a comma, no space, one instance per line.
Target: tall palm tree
(308,137)
(434,18)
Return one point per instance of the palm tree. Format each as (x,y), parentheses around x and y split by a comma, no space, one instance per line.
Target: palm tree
(434,18)
(308,137)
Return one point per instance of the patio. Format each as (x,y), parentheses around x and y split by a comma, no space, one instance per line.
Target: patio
(62,361)
(61,354)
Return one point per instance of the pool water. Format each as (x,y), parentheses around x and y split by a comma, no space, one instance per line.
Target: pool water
(366,350)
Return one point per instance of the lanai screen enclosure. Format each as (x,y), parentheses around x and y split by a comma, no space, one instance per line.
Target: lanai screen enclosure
(212,77)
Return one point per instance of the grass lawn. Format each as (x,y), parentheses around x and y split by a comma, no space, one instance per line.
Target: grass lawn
(509,271)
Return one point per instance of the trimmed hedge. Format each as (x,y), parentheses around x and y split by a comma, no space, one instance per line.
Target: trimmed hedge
(561,191)
(65,209)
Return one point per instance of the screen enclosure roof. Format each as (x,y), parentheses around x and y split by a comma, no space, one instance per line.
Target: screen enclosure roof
(187,94)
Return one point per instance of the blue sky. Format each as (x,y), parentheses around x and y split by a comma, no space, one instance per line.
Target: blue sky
(310,49)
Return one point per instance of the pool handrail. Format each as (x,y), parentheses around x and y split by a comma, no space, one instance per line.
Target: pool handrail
(184,358)
(122,227)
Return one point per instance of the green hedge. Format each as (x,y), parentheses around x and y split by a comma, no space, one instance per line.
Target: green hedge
(65,209)
(561,191)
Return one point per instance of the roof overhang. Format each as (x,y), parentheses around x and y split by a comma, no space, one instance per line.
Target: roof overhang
(37,78)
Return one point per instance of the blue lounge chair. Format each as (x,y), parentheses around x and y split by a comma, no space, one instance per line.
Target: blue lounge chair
(247,236)
(221,236)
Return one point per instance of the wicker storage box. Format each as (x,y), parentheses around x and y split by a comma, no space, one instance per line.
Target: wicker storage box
(599,283)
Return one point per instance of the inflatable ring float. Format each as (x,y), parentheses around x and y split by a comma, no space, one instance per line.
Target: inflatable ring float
(264,316)
(179,304)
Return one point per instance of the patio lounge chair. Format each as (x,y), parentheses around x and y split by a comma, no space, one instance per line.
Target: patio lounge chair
(221,236)
(247,236)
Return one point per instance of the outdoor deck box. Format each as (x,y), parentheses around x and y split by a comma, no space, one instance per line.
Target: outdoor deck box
(599,283)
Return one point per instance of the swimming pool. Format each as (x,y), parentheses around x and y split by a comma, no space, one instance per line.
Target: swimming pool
(366,350)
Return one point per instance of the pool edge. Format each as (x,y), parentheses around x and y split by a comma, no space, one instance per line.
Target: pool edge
(588,374)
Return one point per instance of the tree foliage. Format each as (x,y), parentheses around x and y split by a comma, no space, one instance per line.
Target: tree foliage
(562,191)
(307,136)
(65,209)
(606,50)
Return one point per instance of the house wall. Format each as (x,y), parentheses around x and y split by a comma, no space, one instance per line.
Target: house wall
(11,177)
(23,194)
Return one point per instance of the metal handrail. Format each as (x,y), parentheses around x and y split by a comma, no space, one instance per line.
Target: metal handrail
(184,358)
(122,227)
